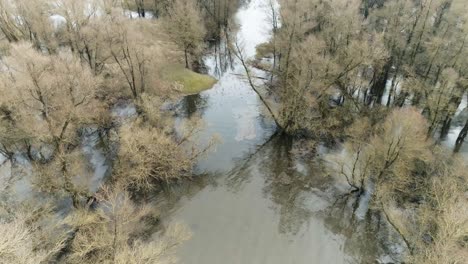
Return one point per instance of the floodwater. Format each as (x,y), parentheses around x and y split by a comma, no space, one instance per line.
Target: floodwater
(256,200)
(459,121)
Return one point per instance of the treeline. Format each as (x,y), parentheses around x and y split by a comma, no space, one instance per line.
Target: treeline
(389,54)
(385,78)
(64,66)
(217,13)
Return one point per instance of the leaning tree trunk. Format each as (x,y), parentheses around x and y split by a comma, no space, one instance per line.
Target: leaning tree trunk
(461,138)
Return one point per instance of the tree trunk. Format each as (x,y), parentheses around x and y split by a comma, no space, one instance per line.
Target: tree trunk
(455,100)
(416,99)
(445,128)
(396,228)
(366,9)
(76,201)
(141,8)
(400,100)
(186,59)
(392,91)
(440,14)
(461,138)
(378,87)
(239,55)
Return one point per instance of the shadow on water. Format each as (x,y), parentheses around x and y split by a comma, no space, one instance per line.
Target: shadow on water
(255,199)
(221,58)
(274,207)
(191,105)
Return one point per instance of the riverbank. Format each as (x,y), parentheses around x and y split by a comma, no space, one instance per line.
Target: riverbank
(258,197)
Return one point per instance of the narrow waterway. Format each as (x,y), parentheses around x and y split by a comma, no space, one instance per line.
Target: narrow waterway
(257,202)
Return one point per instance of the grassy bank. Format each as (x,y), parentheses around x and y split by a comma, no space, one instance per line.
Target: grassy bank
(192,82)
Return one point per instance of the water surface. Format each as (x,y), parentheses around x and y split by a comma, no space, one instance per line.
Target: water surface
(257,201)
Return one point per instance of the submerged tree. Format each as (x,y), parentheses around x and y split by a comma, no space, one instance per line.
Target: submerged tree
(16,246)
(137,58)
(28,232)
(389,158)
(83,30)
(399,144)
(217,15)
(184,25)
(107,234)
(435,228)
(25,20)
(61,84)
(148,155)
(46,101)
(442,221)
(48,97)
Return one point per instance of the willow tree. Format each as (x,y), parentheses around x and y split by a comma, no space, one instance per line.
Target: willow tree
(217,14)
(140,7)
(443,218)
(390,157)
(107,234)
(83,30)
(440,105)
(46,100)
(130,58)
(399,144)
(148,155)
(48,97)
(24,20)
(324,53)
(16,244)
(184,25)
(132,55)
(28,231)
(435,228)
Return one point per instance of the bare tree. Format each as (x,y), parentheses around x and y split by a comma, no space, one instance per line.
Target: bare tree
(29,234)
(49,97)
(25,21)
(388,158)
(106,234)
(148,155)
(133,55)
(184,25)
(444,218)
(83,30)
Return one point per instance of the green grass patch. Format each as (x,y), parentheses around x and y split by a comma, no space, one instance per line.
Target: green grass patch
(192,82)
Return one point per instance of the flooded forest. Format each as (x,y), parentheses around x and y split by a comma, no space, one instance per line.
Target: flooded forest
(233,131)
